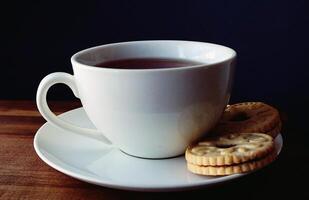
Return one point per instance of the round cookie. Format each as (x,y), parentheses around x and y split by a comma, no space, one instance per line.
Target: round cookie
(249,117)
(232,169)
(229,149)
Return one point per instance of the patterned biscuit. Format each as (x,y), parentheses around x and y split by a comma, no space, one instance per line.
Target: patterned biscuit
(232,169)
(229,149)
(249,117)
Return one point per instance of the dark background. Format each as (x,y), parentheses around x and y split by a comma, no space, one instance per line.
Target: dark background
(270,37)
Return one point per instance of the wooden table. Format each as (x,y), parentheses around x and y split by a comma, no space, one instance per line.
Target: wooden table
(24,176)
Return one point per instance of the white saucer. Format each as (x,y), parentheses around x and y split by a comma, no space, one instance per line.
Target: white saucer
(89,160)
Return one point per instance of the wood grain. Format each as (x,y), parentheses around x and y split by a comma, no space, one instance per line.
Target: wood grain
(24,176)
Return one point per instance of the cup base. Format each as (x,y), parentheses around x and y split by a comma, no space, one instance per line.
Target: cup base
(151,158)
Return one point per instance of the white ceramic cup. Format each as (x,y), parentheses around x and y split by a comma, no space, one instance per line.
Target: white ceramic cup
(149,113)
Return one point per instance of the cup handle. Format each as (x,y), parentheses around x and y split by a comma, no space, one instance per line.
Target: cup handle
(67,79)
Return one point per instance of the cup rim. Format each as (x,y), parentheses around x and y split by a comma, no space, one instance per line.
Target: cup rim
(92,67)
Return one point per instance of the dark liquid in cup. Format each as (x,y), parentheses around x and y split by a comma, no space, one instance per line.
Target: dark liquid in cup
(147,63)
